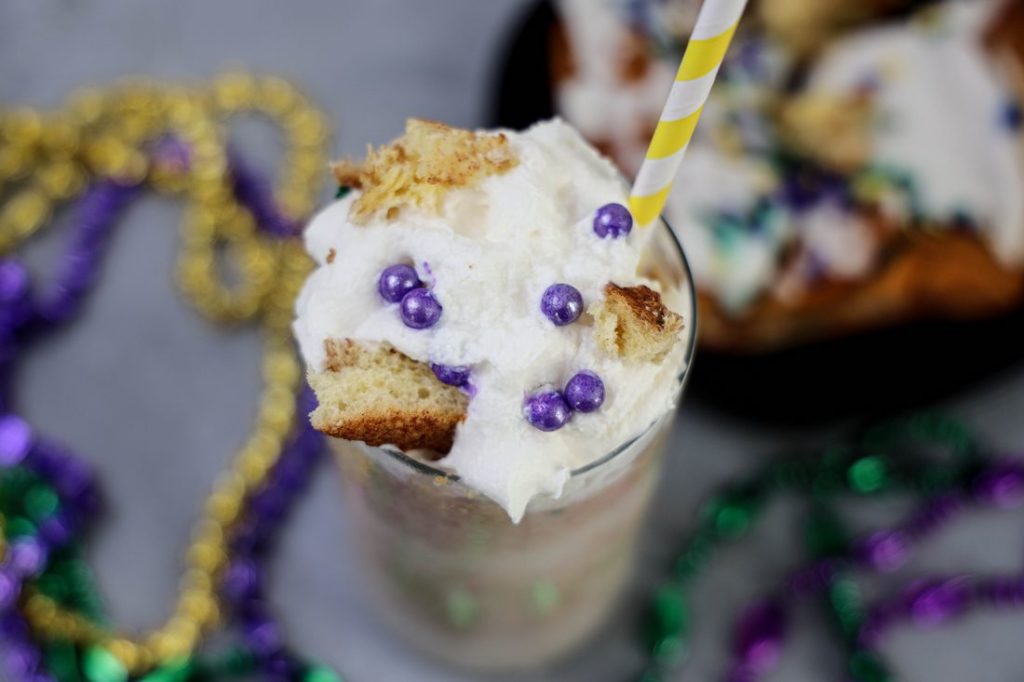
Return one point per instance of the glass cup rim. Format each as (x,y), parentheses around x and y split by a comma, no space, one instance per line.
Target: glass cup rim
(688,353)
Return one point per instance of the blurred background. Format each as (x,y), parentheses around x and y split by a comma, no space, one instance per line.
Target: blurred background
(852,208)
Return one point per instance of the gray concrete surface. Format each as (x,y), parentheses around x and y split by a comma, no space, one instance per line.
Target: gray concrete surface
(158,400)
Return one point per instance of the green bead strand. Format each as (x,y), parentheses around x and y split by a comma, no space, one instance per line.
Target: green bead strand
(99,665)
(865,667)
(668,625)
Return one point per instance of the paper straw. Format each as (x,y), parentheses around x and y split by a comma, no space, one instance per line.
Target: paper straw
(716,23)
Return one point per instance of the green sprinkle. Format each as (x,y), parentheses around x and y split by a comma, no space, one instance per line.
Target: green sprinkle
(342,191)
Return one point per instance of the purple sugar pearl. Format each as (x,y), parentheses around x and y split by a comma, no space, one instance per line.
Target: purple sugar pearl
(562,304)
(585,392)
(396,281)
(453,375)
(546,410)
(420,310)
(612,220)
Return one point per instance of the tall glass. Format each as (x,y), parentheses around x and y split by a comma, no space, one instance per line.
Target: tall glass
(456,578)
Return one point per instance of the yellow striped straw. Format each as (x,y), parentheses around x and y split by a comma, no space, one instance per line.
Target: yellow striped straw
(716,22)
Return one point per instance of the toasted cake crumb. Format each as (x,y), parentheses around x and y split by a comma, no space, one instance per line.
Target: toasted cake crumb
(331,253)
(633,323)
(418,168)
(381,396)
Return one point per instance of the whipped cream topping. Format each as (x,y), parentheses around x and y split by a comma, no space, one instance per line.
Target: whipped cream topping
(488,256)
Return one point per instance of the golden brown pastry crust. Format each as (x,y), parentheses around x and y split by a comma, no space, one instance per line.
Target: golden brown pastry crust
(381,396)
(929,275)
(634,323)
(418,168)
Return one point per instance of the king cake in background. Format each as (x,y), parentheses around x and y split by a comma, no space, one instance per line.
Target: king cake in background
(852,205)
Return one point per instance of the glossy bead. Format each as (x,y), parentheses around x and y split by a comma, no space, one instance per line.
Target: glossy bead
(612,220)
(15,440)
(21,660)
(396,281)
(27,556)
(99,665)
(1002,485)
(865,667)
(546,410)
(13,281)
(669,615)
(759,636)
(241,580)
(56,530)
(10,588)
(264,637)
(867,475)
(885,550)
(420,309)
(40,502)
(933,603)
(585,392)
(562,304)
(319,673)
(453,375)
(731,513)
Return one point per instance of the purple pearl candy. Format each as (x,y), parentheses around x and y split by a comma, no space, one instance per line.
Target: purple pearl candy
(15,440)
(420,310)
(585,392)
(546,410)
(453,375)
(612,220)
(562,304)
(396,281)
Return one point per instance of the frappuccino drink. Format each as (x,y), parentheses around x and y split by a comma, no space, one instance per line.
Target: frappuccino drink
(497,353)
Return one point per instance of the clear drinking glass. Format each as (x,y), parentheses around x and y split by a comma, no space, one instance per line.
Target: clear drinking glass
(456,578)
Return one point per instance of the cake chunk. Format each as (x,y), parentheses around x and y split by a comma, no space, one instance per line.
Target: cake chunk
(418,168)
(381,396)
(633,323)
